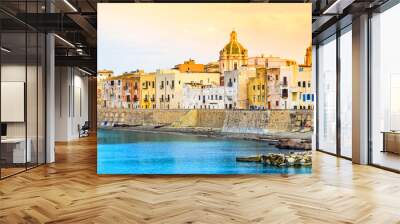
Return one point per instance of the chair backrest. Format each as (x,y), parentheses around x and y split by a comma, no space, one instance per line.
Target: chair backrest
(86,125)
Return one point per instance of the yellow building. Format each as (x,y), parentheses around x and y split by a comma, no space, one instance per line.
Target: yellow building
(257,90)
(148,88)
(301,85)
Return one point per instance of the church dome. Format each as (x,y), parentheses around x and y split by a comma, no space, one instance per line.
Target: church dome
(234,47)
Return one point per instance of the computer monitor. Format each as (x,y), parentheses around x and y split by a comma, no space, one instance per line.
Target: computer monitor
(3,129)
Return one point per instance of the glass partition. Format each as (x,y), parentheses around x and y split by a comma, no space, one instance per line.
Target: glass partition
(22,77)
(13,117)
(346,93)
(385,89)
(327,95)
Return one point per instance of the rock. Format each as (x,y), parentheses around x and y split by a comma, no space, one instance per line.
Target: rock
(297,144)
(280,159)
(290,161)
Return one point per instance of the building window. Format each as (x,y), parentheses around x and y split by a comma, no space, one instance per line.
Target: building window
(284,93)
(299,84)
(304,84)
(277,103)
(235,66)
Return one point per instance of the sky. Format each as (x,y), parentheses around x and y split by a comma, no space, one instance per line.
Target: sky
(152,36)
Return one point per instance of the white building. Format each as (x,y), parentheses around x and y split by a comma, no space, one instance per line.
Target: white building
(198,96)
(235,83)
(213,97)
(192,96)
(170,83)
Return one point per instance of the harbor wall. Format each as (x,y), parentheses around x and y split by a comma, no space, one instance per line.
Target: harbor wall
(233,121)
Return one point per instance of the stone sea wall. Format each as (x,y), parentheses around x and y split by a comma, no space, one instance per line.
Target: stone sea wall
(231,121)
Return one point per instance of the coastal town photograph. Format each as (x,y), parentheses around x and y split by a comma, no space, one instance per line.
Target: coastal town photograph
(200,91)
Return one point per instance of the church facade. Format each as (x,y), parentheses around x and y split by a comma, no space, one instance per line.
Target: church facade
(232,56)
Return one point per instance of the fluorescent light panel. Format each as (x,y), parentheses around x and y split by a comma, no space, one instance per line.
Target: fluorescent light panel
(64,40)
(86,72)
(5,50)
(70,5)
(337,7)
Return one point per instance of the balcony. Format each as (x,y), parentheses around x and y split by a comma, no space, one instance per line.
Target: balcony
(152,99)
(161,86)
(230,84)
(161,99)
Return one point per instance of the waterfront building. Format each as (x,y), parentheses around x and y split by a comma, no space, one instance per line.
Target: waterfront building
(257,90)
(169,86)
(232,56)
(190,66)
(301,85)
(235,84)
(301,90)
(278,87)
(130,95)
(102,76)
(148,91)
(213,97)
(199,96)
(192,96)
(112,92)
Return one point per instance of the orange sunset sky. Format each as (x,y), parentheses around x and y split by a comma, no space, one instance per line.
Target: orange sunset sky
(153,36)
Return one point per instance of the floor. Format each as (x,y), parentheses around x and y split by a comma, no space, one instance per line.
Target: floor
(387,159)
(70,191)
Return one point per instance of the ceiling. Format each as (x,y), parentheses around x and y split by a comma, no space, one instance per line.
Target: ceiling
(75,21)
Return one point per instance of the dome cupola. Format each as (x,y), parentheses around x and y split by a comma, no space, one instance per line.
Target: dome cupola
(234,47)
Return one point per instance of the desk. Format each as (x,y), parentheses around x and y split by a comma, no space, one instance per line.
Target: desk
(391,141)
(16,147)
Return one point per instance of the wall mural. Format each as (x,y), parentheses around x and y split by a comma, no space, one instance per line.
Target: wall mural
(204,89)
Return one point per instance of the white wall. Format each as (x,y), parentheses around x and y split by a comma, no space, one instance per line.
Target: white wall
(71,102)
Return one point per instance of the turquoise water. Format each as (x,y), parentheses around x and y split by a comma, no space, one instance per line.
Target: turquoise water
(133,152)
